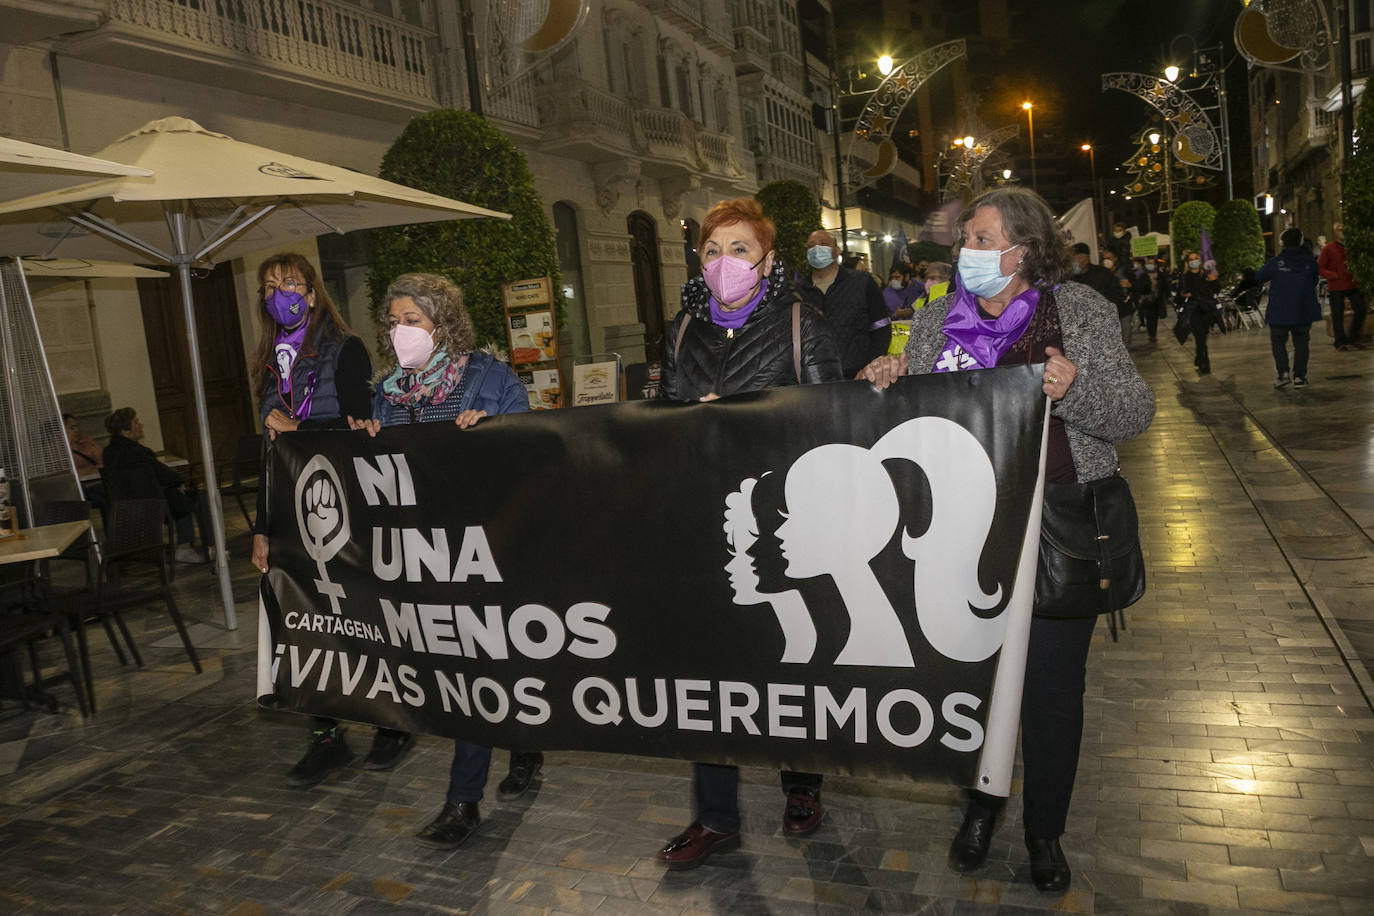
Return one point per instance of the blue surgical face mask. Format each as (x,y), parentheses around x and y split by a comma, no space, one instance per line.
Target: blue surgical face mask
(820,256)
(980,272)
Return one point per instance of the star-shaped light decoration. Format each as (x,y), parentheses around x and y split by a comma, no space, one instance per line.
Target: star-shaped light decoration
(878,124)
(902,79)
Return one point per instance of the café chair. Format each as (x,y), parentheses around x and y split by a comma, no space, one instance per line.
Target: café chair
(27,616)
(134,534)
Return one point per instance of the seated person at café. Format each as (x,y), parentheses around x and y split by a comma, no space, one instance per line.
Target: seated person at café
(127,459)
(88,458)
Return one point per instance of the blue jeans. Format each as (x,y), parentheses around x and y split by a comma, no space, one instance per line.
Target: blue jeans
(467,775)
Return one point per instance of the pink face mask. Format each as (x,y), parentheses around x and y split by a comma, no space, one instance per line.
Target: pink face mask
(413,345)
(731,279)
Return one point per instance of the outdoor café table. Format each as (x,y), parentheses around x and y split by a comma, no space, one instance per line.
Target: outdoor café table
(42,543)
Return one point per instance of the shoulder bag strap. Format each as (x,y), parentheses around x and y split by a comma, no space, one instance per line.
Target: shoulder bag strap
(796,339)
(681,332)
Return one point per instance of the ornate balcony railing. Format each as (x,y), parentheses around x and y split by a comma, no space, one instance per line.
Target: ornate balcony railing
(325,37)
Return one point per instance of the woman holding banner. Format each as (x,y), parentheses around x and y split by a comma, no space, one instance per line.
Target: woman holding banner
(741,328)
(1011,306)
(311,372)
(439,376)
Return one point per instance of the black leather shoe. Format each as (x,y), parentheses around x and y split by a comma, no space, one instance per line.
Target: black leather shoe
(453,825)
(327,752)
(1049,869)
(388,747)
(970,847)
(803,812)
(694,845)
(523,768)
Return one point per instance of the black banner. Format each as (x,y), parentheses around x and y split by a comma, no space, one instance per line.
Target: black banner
(816,577)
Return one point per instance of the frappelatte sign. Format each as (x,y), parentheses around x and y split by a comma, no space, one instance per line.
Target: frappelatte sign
(828,578)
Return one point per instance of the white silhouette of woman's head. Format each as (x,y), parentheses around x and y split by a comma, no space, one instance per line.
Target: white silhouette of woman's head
(842,510)
(741,531)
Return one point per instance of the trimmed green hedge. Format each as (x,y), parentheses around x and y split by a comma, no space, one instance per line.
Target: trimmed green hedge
(460,155)
(1188,223)
(796,213)
(1238,240)
(1358,214)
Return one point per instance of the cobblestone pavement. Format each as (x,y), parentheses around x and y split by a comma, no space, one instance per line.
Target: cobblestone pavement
(1228,761)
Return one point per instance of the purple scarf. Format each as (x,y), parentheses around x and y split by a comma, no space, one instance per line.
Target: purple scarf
(287,349)
(736,319)
(983,340)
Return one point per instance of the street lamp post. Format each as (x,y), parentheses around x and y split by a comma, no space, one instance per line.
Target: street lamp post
(1097,195)
(1211,65)
(1030,126)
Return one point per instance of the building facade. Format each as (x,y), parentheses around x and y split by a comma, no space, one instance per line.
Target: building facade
(653,111)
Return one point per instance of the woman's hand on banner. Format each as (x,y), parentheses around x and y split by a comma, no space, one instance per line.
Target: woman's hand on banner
(469,418)
(278,422)
(372,426)
(884,370)
(260,552)
(1059,374)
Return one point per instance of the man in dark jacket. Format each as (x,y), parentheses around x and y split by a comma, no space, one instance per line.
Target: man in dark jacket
(1293,306)
(1104,281)
(1341,286)
(849,300)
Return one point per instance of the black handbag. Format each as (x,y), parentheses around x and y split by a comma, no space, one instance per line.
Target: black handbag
(1090,557)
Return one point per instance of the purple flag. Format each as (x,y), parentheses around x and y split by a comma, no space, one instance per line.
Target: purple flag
(1206,246)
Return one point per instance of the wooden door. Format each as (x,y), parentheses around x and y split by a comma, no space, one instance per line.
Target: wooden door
(228,405)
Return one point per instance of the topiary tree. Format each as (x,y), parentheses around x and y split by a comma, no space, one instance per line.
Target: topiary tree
(1189,221)
(460,155)
(1358,195)
(796,213)
(1237,241)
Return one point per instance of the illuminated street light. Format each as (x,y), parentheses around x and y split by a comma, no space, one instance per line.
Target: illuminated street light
(885,64)
(1006,174)
(887,239)
(1092,173)
(1154,138)
(958,141)
(1030,126)
(1171,73)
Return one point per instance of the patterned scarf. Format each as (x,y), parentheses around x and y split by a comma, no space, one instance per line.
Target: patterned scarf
(423,387)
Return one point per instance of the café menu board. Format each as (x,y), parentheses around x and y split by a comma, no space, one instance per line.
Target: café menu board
(532,336)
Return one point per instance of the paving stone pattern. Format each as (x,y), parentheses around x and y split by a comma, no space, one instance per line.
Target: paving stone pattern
(1226,764)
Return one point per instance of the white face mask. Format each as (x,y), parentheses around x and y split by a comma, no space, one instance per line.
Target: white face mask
(1109,263)
(980,272)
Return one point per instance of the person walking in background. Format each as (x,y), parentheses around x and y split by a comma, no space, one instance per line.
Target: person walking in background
(310,372)
(1197,294)
(850,301)
(1292,278)
(1341,287)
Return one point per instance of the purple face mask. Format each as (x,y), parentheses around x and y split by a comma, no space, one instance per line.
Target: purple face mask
(286,308)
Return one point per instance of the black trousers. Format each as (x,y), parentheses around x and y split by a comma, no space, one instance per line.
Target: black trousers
(1201,320)
(1357,311)
(1051,722)
(717,793)
(1278,341)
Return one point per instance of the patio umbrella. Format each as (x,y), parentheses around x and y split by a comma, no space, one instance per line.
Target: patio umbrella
(66,269)
(210,199)
(27,168)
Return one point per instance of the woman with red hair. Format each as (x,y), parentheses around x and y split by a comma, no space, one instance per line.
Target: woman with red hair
(741,328)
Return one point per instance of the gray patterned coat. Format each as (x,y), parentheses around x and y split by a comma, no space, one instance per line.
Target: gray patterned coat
(1108,401)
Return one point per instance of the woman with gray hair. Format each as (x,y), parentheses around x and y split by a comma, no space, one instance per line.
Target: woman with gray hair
(438,376)
(1011,306)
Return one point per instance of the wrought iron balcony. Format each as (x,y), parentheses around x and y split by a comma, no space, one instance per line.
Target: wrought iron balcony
(322,52)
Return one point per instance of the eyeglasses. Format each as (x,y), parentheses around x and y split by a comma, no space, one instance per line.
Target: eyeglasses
(289,284)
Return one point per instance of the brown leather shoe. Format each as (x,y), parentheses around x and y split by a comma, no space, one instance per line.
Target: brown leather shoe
(694,845)
(803,812)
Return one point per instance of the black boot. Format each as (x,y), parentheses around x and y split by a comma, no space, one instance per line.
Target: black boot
(388,747)
(523,768)
(970,847)
(327,752)
(1049,869)
(455,823)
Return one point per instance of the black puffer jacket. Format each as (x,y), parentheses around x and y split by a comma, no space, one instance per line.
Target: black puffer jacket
(758,355)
